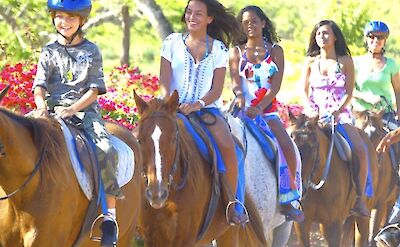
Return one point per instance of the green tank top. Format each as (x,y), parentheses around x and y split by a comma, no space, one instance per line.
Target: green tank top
(377,83)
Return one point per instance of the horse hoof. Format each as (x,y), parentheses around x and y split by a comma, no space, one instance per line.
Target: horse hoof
(109,234)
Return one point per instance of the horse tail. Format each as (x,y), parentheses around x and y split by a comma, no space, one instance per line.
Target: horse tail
(253,230)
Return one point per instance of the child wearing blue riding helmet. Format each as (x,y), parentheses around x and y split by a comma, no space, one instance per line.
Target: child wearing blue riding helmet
(377,76)
(68,80)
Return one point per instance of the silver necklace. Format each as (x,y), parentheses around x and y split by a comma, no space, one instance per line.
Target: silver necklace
(256,53)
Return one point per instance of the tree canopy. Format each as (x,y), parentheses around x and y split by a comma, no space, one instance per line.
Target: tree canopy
(25,27)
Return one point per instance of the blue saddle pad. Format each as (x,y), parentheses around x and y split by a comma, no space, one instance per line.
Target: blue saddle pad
(260,136)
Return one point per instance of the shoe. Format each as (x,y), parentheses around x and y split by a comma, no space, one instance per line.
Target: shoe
(237,220)
(390,237)
(109,234)
(231,216)
(360,209)
(292,214)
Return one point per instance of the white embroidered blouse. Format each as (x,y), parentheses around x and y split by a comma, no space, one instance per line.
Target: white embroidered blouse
(191,80)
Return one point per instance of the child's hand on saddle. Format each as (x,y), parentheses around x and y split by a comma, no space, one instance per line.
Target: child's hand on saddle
(186,109)
(42,112)
(253,111)
(64,112)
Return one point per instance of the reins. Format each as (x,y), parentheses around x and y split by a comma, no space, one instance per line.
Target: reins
(35,169)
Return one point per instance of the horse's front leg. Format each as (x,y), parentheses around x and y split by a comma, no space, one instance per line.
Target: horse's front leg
(303,232)
(332,232)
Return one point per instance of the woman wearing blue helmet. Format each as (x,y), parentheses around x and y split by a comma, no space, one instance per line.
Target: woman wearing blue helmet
(377,85)
(68,80)
(377,76)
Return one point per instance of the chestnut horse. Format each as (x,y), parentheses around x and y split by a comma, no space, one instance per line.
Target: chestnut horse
(178,184)
(387,189)
(41,202)
(330,205)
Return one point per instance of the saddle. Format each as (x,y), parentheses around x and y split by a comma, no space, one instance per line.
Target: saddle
(342,146)
(83,158)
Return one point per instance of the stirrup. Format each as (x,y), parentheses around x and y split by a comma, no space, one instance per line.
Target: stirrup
(230,203)
(396,226)
(101,216)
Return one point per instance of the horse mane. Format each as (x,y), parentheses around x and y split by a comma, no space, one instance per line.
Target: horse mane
(48,138)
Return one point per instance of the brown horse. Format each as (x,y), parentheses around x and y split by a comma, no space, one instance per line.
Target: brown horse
(330,204)
(42,203)
(178,184)
(387,189)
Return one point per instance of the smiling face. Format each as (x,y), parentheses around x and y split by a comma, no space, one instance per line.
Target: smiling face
(375,41)
(325,36)
(196,16)
(252,24)
(66,23)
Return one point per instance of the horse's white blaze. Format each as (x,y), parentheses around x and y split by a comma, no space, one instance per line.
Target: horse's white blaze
(29,237)
(157,156)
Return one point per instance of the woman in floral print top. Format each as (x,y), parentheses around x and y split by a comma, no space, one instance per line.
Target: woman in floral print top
(256,68)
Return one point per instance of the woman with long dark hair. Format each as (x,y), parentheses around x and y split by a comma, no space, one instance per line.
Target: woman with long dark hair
(256,68)
(194,63)
(328,77)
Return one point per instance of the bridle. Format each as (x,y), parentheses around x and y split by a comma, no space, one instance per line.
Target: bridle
(176,156)
(25,183)
(315,164)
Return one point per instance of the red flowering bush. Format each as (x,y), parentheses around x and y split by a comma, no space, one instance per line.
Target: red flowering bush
(20,78)
(284,109)
(116,105)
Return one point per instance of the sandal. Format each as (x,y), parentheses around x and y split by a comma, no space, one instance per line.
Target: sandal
(360,209)
(293,214)
(389,236)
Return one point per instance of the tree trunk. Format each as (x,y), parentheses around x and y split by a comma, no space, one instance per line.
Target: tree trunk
(126,35)
(156,17)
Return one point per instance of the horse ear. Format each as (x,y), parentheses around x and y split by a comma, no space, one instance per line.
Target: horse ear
(381,112)
(173,102)
(312,122)
(4,92)
(140,103)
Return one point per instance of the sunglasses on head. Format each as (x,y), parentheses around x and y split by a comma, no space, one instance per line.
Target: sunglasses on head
(373,36)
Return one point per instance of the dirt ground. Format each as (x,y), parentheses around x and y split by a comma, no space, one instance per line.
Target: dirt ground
(316,238)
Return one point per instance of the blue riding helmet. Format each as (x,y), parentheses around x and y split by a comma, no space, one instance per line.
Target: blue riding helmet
(376,26)
(79,7)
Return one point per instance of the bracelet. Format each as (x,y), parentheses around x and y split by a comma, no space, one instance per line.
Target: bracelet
(202,103)
(238,94)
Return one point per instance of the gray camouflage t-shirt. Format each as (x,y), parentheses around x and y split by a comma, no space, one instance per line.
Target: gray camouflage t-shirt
(68,75)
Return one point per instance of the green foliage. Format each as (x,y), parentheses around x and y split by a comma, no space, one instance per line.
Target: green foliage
(293,19)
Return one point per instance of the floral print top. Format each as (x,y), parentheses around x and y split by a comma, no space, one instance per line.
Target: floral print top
(327,92)
(257,80)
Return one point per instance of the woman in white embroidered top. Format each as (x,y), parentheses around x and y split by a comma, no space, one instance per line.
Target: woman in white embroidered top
(194,63)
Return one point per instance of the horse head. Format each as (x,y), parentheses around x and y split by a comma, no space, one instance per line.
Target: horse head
(305,132)
(159,140)
(369,121)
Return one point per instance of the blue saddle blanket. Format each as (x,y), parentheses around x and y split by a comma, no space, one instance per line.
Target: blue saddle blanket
(202,147)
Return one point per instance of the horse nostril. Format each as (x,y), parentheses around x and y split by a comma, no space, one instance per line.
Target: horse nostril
(148,194)
(164,194)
